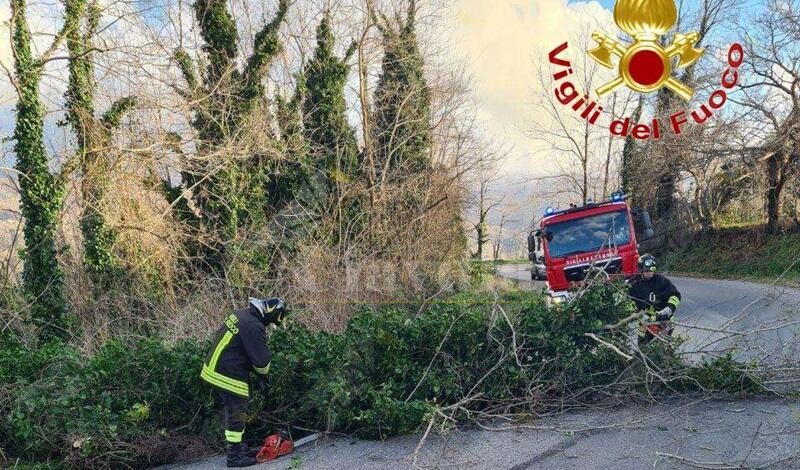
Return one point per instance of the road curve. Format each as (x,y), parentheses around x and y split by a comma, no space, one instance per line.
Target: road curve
(757,320)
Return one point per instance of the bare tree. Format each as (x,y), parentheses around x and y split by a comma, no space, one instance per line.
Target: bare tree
(774,95)
(585,155)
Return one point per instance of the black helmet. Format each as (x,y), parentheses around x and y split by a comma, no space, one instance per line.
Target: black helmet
(647,263)
(272,310)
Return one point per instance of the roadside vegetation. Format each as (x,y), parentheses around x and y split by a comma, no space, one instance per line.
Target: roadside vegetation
(466,358)
(740,253)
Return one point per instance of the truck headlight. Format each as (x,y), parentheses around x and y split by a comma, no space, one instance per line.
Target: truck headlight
(556,300)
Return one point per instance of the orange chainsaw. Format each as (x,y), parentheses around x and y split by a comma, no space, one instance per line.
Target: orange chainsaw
(281,444)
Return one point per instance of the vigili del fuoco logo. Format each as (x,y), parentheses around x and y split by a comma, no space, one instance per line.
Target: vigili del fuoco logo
(645,66)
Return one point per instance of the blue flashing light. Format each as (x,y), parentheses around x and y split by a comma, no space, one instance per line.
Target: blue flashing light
(617,196)
(549,211)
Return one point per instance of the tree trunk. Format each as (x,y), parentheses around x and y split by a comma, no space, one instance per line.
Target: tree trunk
(585,164)
(628,154)
(41,192)
(775,181)
(482,236)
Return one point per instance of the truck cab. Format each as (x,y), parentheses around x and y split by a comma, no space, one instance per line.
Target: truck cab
(597,239)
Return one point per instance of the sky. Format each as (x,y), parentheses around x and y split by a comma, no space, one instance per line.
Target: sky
(504,44)
(503,41)
(608,4)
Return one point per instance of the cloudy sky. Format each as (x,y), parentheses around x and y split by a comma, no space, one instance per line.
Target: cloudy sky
(504,42)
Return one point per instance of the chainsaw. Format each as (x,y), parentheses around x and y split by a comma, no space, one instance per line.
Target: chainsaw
(281,444)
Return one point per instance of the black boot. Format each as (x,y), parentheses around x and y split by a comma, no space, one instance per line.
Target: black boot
(251,451)
(239,455)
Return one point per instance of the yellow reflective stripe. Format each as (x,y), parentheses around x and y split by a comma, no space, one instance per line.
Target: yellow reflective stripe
(224,386)
(674,300)
(223,378)
(230,381)
(226,383)
(234,437)
(223,343)
(263,370)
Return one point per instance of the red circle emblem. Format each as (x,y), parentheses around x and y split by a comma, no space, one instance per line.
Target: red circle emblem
(646,68)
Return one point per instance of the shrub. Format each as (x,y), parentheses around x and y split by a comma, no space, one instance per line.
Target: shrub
(387,373)
(96,412)
(724,374)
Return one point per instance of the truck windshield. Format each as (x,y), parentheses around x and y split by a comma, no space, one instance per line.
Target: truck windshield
(589,234)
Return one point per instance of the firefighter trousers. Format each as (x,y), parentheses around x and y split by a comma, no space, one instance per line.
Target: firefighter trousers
(235,416)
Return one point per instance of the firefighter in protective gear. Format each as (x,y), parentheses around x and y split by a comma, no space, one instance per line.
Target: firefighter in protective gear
(655,295)
(240,347)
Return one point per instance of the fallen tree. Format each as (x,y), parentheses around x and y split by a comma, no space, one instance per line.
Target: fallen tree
(395,369)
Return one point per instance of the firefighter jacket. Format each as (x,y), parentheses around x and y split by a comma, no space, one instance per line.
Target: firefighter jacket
(656,293)
(240,346)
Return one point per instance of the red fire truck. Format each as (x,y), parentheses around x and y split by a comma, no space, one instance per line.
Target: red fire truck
(597,239)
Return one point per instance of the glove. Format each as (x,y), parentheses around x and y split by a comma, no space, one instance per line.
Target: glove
(664,314)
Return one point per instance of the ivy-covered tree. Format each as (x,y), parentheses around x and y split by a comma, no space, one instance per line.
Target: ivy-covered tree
(292,171)
(93,137)
(41,190)
(402,105)
(227,190)
(330,138)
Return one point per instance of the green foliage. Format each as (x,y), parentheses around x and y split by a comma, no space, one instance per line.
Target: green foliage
(293,172)
(386,374)
(99,412)
(113,116)
(480,272)
(234,194)
(331,139)
(741,253)
(727,375)
(402,107)
(93,135)
(42,192)
(629,153)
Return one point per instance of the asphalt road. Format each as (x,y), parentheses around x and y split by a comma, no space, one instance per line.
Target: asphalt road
(756,320)
(674,435)
(760,433)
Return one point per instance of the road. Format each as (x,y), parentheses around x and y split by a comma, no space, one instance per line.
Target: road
(757,433)
(757,320)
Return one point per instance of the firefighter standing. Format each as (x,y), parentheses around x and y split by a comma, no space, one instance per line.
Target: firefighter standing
(240,346)
(654,294)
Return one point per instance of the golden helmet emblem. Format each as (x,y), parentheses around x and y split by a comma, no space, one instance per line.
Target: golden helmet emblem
(646,66)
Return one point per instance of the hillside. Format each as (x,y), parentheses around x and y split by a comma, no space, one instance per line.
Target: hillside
(739,253)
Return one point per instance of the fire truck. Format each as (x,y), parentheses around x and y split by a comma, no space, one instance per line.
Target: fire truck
(596,239)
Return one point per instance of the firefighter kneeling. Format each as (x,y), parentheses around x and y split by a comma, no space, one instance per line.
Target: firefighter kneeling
(240,346)
(656,296)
